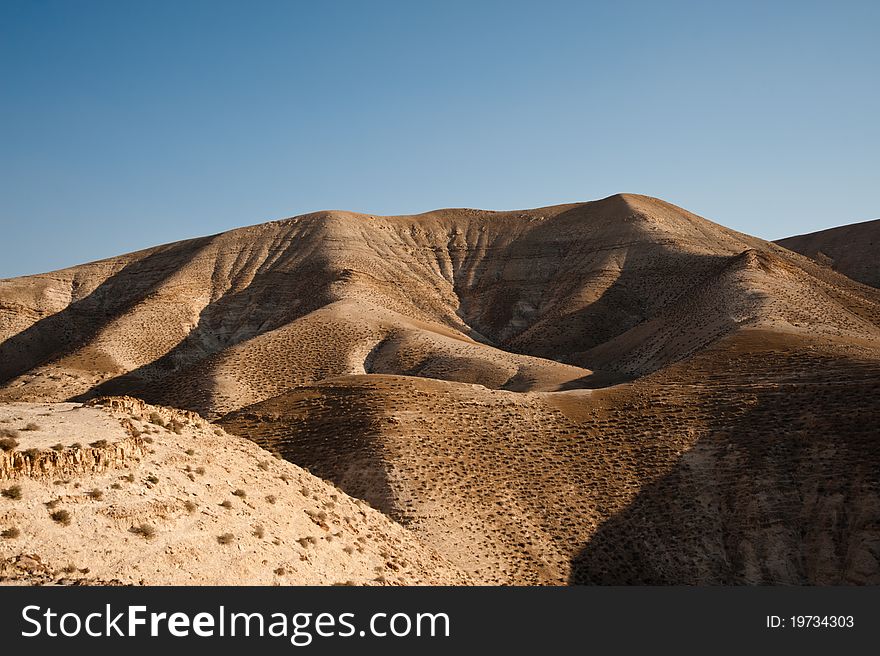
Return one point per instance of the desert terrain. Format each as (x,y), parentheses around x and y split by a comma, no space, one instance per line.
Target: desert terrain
(853,250)
(611,392)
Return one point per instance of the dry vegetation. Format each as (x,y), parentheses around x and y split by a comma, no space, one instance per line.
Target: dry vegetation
(607,392)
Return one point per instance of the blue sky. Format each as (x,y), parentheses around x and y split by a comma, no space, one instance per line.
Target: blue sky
(127,124)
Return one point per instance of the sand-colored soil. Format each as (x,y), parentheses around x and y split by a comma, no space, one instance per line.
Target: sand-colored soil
(170,472)
(617,391)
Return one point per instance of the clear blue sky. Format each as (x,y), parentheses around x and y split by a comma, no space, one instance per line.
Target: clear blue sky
(128,124)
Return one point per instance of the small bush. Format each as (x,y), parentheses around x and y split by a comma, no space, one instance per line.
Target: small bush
(190,452)
(8,443)
(98,444)
(190,506)
(58,447)
(280,571)
(61,516)
(263,464)
(31,453)
(10,533)
(115,486)
(128,478)
(271,498)
(70,568)
(240,493)
(95,494)
(13,492)
(176,426)
(152,478)
(31,427)
(226,504)
(226,538)
(144,530)
(76,445)
(200,471)
(259,532)
(156,418)
(9,432)
(149,440)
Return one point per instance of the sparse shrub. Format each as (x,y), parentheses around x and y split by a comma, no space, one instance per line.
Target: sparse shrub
(95,494)
(226,538)
(149,440)
(9,432)
(61,516)
(31,453)
(98,444)
(76,445)
(226,504)
(51,504)
(200,471)
(146,531)
(263,464)
(271,498)
(218,431)
(177,426)
(280,571)
(153,479)
(8,443)
(156,418)
(259,532)
(190,506)
(70,568)
(239,493)
(31,427)
(190,452)
(349,550)
(10,533)
(128,478)
(58,447)
(115,486)
(13,492)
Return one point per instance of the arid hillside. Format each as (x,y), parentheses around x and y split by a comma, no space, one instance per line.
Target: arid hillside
(756,461)
(609,392)
(853,250)
(550,299)
(118,491)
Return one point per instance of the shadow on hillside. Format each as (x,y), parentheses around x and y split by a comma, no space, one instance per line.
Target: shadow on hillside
(271,299)
(784,492)
(347,453)
(559,326)
(60,334)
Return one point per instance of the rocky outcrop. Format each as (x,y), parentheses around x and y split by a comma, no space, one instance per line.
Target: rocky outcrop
(70,461)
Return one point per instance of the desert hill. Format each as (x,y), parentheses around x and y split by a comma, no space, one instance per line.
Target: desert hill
(755,461)
(118,491)
(539,300)
(853,250)
(617,391)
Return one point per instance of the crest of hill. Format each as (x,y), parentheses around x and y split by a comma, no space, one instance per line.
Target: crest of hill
(853,250)
(534,300)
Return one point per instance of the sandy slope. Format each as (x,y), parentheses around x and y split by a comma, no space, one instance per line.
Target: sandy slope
(853,250)
(621,286)
(284,526)
(755,461)
(609,392)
